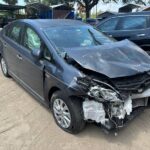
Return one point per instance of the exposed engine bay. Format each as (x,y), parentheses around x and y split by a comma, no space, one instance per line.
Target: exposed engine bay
(110,106)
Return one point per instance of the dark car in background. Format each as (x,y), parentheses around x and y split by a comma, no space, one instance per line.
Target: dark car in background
(92,21)
(78,72)
(132,26)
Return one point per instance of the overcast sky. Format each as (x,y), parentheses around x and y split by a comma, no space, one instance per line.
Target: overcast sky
(105,7)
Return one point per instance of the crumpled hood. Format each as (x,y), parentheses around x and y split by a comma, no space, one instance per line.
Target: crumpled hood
(118,59)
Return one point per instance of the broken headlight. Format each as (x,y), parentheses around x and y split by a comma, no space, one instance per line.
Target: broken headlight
(103,94)
(99,90)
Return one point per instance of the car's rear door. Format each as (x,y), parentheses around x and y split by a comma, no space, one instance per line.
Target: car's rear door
(11,47)
(131,27)
(31,70)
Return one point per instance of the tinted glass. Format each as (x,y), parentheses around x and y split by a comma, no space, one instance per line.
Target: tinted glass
(84,36)
(46,53)
(32,40)
(133,22)
(15,33)
(109,25)
(7,30)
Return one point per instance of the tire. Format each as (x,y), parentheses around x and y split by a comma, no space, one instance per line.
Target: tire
(4,67)
(74,107)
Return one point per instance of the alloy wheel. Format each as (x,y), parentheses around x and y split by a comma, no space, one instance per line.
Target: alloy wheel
(62,113)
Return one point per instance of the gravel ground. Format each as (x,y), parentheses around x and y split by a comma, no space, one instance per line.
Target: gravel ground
(26,125)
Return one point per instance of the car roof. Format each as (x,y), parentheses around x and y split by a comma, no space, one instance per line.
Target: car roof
(147,13)
(46,23)
(132,13)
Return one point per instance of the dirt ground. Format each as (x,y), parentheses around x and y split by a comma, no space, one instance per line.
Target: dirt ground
(26,125)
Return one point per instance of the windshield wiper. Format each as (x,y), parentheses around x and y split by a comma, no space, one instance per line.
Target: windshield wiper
(91,33)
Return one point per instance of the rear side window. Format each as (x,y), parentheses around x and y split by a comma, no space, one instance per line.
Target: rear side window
(31,39)
(15,33)
(133,22)
(109,25)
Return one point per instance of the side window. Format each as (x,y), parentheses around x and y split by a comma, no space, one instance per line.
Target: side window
(15,33)
(133,22)
(46,54)
(109,25)
(31,40)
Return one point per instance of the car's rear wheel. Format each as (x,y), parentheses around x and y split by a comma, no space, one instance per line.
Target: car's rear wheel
(4,67)
(67,113)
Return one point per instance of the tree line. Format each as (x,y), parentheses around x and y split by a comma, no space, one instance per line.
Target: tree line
(86,4)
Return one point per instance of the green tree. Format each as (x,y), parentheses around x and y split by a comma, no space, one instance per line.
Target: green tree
(11,2)
(32,1)
(55,2)
(52,2)
(143,2)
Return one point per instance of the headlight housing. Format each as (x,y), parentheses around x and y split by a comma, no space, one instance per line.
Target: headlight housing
(100,90)
(103,94)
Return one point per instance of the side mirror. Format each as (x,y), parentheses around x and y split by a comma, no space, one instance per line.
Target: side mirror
(36,53)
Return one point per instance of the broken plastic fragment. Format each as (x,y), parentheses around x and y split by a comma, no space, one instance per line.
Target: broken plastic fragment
(128,106)
(123,109)
(94,111)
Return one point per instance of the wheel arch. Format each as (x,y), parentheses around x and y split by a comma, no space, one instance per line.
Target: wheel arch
(52,91)
(76,97)
(55,89)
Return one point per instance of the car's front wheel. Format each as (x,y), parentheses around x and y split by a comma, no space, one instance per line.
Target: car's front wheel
(4,67)
(67,113)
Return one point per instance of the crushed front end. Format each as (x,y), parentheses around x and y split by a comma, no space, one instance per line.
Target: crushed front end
(113,104)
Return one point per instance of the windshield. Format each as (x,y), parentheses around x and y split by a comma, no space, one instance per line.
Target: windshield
(79,36)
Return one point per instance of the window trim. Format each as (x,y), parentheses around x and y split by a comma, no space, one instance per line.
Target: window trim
(120,17)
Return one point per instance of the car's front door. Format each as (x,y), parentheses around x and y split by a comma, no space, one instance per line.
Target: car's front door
(31,70)
(109,26)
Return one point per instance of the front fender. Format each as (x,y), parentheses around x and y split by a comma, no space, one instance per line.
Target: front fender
(72,89)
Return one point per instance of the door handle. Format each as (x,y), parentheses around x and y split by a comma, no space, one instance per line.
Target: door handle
(19,57)
(141,35)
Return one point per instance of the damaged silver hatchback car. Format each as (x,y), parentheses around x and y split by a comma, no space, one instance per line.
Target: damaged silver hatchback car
(83,75)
